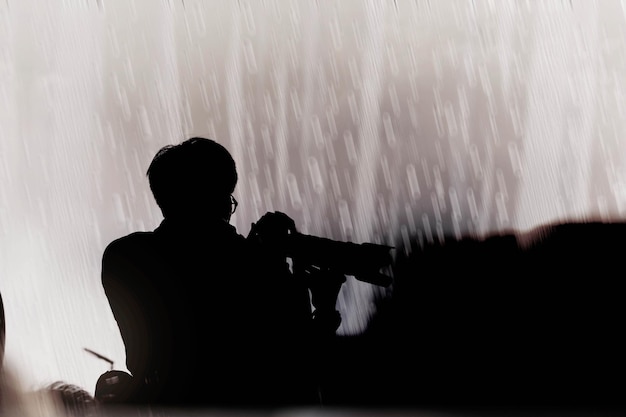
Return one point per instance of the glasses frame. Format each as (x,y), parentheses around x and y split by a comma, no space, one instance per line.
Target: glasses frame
(234,203)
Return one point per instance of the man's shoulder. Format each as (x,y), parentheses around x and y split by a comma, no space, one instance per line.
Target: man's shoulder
(129,242)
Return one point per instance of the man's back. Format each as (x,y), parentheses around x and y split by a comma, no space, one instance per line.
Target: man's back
(207,317)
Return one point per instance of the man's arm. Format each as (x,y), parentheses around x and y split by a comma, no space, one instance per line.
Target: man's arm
(271,235)
(123,291)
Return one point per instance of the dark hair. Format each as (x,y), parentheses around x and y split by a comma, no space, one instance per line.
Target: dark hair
(198,171)
(71,397)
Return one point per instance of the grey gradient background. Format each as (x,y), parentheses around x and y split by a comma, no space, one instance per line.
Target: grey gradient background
(363,120)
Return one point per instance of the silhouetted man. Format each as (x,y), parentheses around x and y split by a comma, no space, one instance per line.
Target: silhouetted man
(207,316)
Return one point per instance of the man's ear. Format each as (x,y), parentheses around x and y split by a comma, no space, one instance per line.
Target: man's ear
(224,208)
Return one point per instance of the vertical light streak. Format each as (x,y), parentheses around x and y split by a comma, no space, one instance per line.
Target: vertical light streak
(369,150)
(555,160)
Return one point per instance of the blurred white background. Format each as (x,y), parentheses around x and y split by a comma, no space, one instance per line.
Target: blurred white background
(369,121)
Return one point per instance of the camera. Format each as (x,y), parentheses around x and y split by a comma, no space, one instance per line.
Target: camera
(363,261)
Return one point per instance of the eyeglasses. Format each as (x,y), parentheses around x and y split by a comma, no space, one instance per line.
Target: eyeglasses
(234,204)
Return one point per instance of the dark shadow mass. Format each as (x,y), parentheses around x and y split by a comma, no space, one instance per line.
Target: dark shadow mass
(512,320)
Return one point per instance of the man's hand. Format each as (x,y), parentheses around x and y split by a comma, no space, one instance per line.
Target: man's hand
(325,287)
(272,230)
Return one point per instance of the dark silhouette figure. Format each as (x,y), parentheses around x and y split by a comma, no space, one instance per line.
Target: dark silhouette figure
(210,317)
(71,399)
(512,320)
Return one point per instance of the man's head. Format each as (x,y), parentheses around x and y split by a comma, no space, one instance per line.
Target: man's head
(193,179)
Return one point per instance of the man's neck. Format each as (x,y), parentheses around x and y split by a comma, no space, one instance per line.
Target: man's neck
(193,224)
